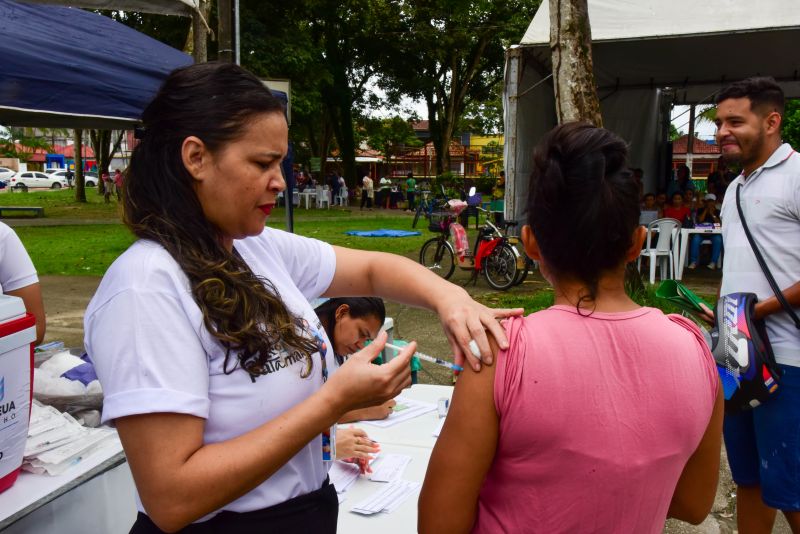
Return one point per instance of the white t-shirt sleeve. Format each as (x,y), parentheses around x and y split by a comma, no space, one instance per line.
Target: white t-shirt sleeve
(311,263)
(148,356)
(16,268)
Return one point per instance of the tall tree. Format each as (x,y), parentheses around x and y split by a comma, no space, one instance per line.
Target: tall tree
(80,184)
(330,50)
(389,136)
(451,54)
(573,73)
(104,151)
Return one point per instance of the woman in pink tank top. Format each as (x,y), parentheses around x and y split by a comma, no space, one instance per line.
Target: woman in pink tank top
(601,416)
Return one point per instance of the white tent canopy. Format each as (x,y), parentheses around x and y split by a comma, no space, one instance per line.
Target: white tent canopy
(639,49)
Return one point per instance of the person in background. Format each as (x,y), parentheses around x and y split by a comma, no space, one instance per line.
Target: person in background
(367,192)
(680,182)
(602,415)
(706,216)
(118,183)
(411,191)
(638,177)
(499,191)
(108,184)
(383,195)
(661,201)
(18,278)
(649,210)
(690,200)
(70,176)
(221,381)
(763,444)
(677,210)
(333,184)
(350,322)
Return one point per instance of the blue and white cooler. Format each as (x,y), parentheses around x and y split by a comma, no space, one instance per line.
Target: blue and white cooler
(17,334)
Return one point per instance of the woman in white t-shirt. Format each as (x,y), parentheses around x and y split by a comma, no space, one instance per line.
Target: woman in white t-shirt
(217,373)
(18,277)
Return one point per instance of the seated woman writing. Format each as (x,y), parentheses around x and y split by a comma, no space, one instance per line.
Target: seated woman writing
(602,416)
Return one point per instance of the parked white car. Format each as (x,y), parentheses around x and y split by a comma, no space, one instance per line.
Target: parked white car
(24,180)
(88,180)
(6,174)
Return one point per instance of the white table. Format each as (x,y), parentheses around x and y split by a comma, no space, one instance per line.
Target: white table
(98,495)
(413,438)
(683,246)
(95,495)
(308,195)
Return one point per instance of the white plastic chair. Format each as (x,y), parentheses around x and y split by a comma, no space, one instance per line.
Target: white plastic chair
(662,252)
(323,197)
(342,199)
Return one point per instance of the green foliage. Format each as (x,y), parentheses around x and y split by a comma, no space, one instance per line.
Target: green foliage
(484,115)
(389,136)
(453,184)
(27,142)
(791,123)
(452,55)
(485,184)
(168,29)
(674,133)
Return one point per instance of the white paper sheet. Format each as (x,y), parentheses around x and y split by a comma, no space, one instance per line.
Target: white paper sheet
(342,475)
(439,427)
(389,468)
(388,499)
(410,409)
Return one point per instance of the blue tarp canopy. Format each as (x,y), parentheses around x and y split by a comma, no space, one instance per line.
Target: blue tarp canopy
(65,67)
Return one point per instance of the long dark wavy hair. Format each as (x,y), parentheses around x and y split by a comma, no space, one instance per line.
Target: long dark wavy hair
(215,102)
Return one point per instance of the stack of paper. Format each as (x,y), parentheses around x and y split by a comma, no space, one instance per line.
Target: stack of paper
(404,410)
(343,475)
(57,441)
(389,468)
(387,500)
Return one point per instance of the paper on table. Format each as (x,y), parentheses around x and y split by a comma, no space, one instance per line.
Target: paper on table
(439,427)
(390,468)
(408,409)
(388,499)
(342,475)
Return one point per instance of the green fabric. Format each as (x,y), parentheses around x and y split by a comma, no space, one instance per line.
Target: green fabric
(411,185)
(680,295)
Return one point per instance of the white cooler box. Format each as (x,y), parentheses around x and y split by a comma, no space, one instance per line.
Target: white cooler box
(17,334)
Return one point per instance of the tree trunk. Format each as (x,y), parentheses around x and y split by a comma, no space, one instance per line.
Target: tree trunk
(80,188)
(225,31)
(573,74)
(197,40)
(104,152)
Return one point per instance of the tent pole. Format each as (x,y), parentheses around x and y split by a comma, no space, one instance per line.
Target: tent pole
(510,100)
(690,141)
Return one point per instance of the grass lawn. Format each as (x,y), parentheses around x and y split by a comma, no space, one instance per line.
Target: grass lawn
(89,249)
(61,204)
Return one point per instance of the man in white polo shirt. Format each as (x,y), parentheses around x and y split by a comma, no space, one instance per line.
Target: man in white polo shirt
(763,444)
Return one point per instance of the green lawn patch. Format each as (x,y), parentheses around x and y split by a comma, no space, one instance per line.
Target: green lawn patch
(90,249)
(61,204)
(544,298)
(74,250)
